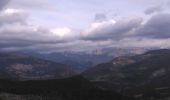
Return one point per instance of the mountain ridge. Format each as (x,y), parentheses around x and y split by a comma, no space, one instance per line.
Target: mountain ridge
(27,67)
(135,75)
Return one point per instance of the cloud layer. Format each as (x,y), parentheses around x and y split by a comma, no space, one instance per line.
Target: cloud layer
(153,9)
(18,33)
(3,3)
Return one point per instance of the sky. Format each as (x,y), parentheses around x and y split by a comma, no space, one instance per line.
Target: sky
(83,25)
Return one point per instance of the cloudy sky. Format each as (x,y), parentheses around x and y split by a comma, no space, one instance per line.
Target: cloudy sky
(83,25)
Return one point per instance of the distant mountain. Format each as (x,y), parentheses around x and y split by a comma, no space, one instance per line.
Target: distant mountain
(26,67)
(83,60)
(78,61)
(142,76)
(74,88)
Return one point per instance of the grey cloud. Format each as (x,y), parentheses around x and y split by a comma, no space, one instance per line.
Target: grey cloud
(100,17)
(27,39)
(18,37)
(142,43)
(153,10)
(158,26)
(32,5)
(168,3)
(17,17)
(155,32)
(27,33)
(109,30)
(3,3)
(16,34)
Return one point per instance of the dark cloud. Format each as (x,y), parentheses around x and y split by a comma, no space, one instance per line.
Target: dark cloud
(3,3)
(28,39)
(153,10)
(112,30)
(27,33)
(17,34)
(158,26)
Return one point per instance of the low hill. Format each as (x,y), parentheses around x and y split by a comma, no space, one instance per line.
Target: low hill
(18,66)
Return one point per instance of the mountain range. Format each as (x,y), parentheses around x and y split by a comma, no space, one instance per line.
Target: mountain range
(142,76)
(81,61)
(135,76)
